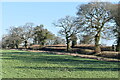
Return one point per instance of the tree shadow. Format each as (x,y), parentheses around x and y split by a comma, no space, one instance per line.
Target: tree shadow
(56,46)
(69,68)
(42,57)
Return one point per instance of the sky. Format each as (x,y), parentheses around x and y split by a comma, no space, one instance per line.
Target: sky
(46,13)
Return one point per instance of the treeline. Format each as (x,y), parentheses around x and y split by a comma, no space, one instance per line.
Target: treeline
(28,35)
(94,21)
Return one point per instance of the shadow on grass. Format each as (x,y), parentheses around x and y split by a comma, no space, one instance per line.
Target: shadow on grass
(70,68)
(43,57)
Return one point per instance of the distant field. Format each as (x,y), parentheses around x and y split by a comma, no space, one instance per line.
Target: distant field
(23,64)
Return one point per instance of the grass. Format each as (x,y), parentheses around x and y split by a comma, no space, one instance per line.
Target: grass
(23,64)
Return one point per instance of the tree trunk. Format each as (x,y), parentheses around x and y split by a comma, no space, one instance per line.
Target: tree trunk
(42,43)
(118,44)
(16,46)
(13,45)
(25,44)
(74,43)
(68,44)
(97,46)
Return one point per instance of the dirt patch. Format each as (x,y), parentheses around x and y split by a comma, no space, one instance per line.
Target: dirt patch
(36,51)
(80,55)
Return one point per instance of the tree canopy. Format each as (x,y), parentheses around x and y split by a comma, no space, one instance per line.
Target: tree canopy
(96,20)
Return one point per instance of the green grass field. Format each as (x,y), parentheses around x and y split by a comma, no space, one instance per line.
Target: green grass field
(23,64)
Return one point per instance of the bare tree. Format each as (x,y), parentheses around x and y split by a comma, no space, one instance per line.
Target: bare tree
(96,20)
(27,33)
(13,38)
(86,39)
(74,40)
(68,28)
(115,11)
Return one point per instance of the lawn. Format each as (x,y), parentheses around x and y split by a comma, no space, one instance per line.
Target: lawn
(24,64)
